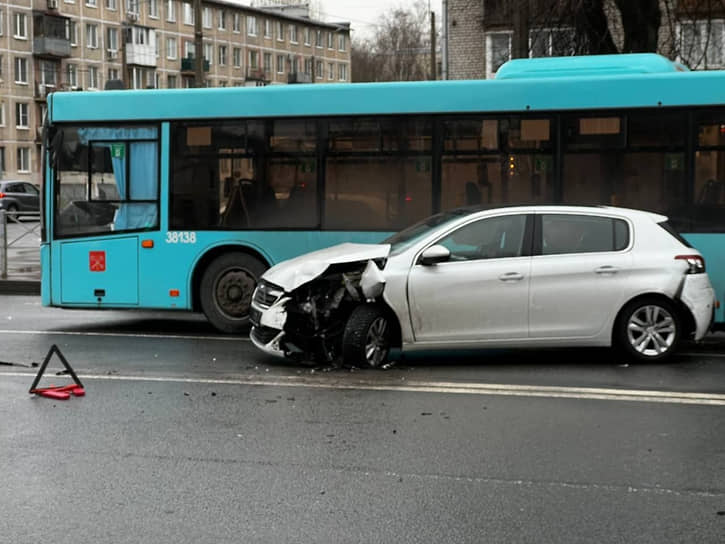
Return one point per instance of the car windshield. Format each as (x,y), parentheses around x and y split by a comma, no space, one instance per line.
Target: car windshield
(409,236)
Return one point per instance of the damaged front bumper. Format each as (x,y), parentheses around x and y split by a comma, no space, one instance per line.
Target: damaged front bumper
(268,326)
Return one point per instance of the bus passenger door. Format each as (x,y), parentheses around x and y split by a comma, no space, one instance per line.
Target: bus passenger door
(100,271)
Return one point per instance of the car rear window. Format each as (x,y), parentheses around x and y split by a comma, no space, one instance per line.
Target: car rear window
(570,233)
(665,225)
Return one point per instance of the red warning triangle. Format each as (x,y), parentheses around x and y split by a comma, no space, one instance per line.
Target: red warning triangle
(61,392)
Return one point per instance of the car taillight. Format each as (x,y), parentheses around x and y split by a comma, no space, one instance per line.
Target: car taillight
(695,263)
(2,195)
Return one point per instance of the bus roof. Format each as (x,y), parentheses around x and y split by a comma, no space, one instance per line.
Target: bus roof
(515,94)
(594,65)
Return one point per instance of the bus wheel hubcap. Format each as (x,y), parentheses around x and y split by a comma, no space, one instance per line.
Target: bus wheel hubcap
(234,292)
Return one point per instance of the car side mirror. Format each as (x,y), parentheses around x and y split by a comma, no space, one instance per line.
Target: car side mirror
(434,255)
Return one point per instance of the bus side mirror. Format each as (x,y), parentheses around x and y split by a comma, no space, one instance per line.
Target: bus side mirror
(434,255)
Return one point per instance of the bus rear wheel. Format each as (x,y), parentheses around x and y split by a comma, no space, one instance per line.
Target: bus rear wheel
(226,290)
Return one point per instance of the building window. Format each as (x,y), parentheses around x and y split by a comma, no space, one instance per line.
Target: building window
(73,33)
(2,160)
(253,60)
(209,53)
(113,74)
(308,66)
(91,3)
(111,4)
(132,6)
(171,11)
(236,23)
(112,39)
(2,27)
(342,72)
(551,42)
(280,31)
(222,15)
(267,28)
(206,17)
(222,55)
(341,42)
(153,8)
(189,50)
(237,57)
(48,71)
(24,160)
(701,43)
(330,40)
(320,69)
(293,33)
(91,36)
(20,26)
(21,115)
(2,120)
(330,70)
(72,75)
(93,77)
(171,50)
(188,13)
(267,63)
(21,70)
(171,82)
(307,36)
(498,51)
(318,38)
(280,64)
(252,26)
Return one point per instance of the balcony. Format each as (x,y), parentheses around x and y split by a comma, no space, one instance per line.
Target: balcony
(140,55)
(45,46)
(188,66)
(257,74)
(299,77)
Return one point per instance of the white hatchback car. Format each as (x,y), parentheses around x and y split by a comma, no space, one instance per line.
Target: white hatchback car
(535,276)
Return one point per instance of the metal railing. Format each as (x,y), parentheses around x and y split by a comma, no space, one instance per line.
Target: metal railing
(19,242)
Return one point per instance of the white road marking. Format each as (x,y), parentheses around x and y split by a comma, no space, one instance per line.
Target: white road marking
(129,335)
(510,390)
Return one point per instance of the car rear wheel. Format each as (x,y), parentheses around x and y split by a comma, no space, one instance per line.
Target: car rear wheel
(12,208)
(226,290)
(367,337)
(649,329)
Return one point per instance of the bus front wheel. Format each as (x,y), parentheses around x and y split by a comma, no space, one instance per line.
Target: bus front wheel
(227,286)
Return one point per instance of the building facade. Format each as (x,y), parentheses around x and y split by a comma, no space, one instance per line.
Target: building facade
(483,34)
(65,45)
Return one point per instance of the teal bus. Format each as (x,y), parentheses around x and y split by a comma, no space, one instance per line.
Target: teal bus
(179,199)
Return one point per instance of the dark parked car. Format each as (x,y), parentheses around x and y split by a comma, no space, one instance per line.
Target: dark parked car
(19,196)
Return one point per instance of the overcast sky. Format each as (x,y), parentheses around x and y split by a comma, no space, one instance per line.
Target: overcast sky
(361,14)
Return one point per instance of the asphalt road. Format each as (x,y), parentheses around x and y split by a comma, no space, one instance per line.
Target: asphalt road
(188,436)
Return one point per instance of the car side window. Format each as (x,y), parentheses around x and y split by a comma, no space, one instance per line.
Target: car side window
(490,238)
(565,233)
(31,189)
(16,188)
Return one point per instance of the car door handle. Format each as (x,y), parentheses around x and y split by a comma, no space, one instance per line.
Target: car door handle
(511,276)
(607,269)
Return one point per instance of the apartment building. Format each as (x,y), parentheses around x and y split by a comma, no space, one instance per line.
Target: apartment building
(65,45)
(482,34)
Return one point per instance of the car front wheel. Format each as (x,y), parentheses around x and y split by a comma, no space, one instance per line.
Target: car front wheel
(649,330)
(367,337)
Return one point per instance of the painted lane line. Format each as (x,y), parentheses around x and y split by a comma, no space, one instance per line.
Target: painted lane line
(512,390)
(128,335)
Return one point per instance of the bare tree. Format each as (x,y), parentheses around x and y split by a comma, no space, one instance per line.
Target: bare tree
(399,49)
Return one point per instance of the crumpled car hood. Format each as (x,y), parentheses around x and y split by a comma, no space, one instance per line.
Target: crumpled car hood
(295,272)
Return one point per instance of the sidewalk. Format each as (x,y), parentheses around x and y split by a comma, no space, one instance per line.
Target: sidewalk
(27,287)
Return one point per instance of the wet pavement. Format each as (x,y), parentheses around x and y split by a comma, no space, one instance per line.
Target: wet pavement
(185,435)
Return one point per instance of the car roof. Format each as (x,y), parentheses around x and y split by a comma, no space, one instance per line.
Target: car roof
(561,208)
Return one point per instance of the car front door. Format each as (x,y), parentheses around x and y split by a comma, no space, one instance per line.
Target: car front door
(578,272)
(481,292)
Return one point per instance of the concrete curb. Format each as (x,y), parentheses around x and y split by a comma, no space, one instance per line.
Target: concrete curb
(20,287)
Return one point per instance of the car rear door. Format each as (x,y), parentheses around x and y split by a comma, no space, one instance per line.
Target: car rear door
(32,196)
(580,266)
(481,292)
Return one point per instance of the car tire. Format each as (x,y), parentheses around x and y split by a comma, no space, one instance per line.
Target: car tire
(12,208)
(367,337)
(226,290)
(648,330)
